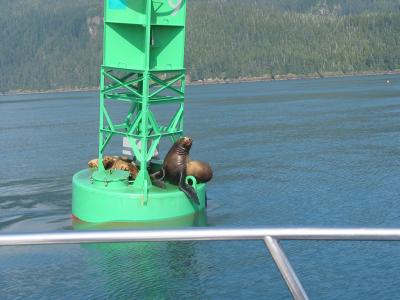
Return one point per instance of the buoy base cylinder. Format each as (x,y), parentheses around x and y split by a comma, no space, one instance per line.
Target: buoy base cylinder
(97,199)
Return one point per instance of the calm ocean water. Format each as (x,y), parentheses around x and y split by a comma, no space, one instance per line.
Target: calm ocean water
(291,153)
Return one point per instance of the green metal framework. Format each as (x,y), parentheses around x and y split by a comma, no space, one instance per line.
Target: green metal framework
(156,28)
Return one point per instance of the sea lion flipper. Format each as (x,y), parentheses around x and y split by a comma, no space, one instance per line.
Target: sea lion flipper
(163,174)
(158,173)
(158,182)
(188,190)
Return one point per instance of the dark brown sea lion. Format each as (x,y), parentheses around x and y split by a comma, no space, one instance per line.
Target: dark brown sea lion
(177,165)
(116,163)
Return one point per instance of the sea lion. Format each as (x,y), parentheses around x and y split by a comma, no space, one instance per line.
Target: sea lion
(200,170)
(124,165)
(177,165)
(108,161)
(116,163)
(174,167)
(94,163)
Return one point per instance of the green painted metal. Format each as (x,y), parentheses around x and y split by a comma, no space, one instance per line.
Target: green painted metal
(143,65)
(198,219)
(141,34)
(114,201)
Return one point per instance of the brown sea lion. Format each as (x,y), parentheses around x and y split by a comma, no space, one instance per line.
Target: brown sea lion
(108,161)
(177,165)
(120,164)
(94,163)
(116,163)
(200,170)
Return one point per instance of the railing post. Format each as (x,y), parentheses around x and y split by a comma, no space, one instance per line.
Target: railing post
(285,268)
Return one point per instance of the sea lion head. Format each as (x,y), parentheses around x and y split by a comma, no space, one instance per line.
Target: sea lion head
(186,143)
(108,162)
(94,163)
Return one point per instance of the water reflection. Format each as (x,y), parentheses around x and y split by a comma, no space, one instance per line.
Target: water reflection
(146,270)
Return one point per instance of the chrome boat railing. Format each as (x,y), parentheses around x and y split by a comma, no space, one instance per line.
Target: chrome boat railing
(270,236)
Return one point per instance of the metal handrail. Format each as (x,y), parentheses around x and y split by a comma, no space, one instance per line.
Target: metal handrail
(270,236)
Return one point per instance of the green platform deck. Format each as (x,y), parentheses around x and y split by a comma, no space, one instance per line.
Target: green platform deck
(101,202)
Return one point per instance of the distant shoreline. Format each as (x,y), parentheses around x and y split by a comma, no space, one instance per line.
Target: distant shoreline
(221,81)
(292,77)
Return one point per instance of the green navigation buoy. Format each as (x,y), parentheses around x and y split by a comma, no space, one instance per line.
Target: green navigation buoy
(143,65)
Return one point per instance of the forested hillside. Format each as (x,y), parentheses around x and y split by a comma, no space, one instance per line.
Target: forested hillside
(50,44)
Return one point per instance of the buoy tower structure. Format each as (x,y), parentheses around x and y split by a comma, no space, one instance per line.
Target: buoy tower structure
(143,66)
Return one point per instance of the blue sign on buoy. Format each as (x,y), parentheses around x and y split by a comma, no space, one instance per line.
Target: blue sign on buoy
(117,4)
